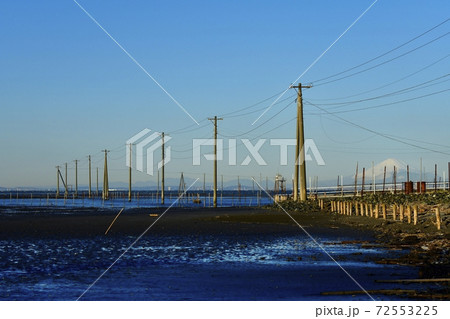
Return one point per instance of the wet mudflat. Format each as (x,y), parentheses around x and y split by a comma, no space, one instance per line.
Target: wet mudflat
(223,254)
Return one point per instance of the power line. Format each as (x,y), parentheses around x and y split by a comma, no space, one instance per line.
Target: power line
(316,60)
(378,133)
(382,63)
(393,93)
(419,141)
(387,84)
(383,54)
(340,142)
(260,109)
(362,140)
(260,125)
(380,105)
(232,114)
(234,136)
(227,148)
(251,106)
(229,114)
(189,128)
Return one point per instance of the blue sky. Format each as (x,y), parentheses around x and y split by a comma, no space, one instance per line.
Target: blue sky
(67,90)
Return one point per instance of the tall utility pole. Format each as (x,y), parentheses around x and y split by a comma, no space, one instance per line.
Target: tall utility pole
(66,191)
(162,169)
(129,174)
(299,148)
(215,119)
(356,179)
(105,194)
(90,194)
(57,181)
(76,178)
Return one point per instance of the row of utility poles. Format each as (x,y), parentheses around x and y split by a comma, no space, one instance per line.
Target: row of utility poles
(105,190)
(300,165)
(64,179)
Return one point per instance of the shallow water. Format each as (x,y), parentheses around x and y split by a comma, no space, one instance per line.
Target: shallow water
(71,202)
(208,267)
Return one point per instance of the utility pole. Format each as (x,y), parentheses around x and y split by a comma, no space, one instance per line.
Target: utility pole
(129,175)
(57,181)
(76,178)
(66,191)
(90,194)
(105,195)
(356,179)
(215,119)
(299,148)
(162,169)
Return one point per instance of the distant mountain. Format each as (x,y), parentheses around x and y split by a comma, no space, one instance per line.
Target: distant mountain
(401,168)
(389,163)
